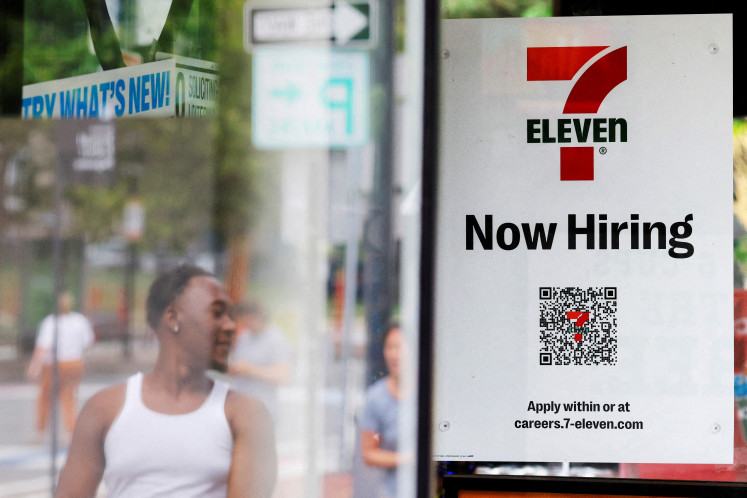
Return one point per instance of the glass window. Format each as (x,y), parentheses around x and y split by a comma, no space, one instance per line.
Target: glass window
(494,67)
(210,194)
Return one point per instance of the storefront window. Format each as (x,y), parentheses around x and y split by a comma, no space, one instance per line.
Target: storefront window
(505,263)
(325,192)
(275,147)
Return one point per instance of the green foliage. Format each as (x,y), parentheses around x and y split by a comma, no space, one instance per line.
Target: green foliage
(399,25)
(740,251)
(61,59)
(539,9)
(178,165)
(167,165)
(65,16)
(462,9)
(56,41)
(96,210)
(31,151)
(238,182)
(739,127)
(174,178)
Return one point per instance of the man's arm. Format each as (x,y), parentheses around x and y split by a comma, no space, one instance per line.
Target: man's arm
(43,345)
(34,370)
(254,461)
(81,475)
(276,374)
(89,336)
(278,370)
(372,453)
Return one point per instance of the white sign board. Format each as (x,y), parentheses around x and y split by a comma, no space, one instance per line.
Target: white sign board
(339,23)
(584,253)
(179,86)
(305,97)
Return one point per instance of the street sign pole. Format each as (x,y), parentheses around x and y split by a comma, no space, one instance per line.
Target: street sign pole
(378,240)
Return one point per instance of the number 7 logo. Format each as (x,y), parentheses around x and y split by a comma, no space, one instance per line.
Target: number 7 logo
(580,317)
(587,94)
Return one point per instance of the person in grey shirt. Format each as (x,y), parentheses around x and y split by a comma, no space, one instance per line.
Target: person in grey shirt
(261,357)
(378,423)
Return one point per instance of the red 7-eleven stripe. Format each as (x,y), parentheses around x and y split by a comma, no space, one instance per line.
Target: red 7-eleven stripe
(580,316)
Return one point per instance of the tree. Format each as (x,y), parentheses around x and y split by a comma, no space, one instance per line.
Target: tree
(457,9)
(25,174)
(57,46)
(166,164)
(238,179)
(56,41)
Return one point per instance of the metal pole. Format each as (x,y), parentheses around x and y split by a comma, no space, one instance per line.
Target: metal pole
(129,297)
(429,175)
(316,171)
(57,264)
(355,165)
(130,270)
(378,244)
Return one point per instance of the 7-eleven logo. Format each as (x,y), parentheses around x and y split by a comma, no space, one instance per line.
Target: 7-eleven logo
(586,95)
(579,319)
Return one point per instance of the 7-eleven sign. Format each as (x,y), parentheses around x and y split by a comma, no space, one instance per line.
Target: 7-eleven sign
(593,82)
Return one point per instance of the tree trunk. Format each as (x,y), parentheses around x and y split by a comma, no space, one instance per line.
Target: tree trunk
(239,256)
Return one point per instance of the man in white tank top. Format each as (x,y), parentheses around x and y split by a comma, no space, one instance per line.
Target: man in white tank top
(174,432)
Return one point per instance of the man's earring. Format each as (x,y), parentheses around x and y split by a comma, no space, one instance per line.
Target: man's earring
(176,329)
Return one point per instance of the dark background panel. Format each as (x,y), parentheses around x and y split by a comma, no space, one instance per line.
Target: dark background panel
(11,57)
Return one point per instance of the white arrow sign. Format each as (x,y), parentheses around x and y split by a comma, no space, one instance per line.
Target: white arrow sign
(338,23)
(347,22)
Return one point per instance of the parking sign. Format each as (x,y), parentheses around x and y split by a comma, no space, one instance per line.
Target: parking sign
(306,98)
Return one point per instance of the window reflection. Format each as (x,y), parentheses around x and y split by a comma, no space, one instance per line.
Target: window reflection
(308,233)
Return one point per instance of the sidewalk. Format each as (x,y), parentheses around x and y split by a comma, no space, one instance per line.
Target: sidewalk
(104,358)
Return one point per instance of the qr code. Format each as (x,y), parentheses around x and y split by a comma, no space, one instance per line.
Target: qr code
(578,326)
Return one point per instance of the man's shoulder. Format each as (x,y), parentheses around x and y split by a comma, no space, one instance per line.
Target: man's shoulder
(245,412)
(78,316)
(109,395)
(379,385)
(105,405)
(47,321)
(378,392)
(240,402)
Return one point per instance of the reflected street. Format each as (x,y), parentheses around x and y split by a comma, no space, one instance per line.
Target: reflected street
(25,465)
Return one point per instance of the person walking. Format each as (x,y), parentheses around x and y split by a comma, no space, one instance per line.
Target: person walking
(261,358)
(379,437)
(74,336)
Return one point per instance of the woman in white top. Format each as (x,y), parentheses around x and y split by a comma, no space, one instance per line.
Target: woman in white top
(173,431)
(74,335)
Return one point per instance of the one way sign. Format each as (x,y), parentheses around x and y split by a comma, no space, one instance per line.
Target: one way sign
(342,23)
